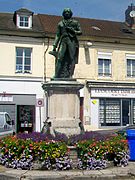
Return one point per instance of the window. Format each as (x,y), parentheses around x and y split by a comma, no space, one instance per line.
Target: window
(23,60)
(1,120)
(8,119)
(116,112)
(104,67)
(130,65)
(26,118)
(109,112)
(24,21)
(104,64)
(133,111)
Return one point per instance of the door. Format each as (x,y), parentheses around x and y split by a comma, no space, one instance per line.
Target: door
(81,108)
(25,118)
(125,112)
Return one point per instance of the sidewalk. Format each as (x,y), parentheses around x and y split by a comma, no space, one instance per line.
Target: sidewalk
(118,173)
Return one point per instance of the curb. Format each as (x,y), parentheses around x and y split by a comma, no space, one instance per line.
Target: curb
(111,173)
(6,176)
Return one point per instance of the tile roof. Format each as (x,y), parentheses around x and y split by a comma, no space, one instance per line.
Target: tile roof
(90,27)
(43,23)
(24,10)
(7,23)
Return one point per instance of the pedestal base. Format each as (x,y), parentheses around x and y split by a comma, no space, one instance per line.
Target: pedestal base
(64,105)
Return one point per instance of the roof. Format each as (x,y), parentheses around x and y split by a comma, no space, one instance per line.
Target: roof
(24,10)
(44,23)
(90,27)
(7,23)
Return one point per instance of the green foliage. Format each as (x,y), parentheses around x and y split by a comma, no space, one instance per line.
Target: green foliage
(39,150)
(114,148)
(92,153)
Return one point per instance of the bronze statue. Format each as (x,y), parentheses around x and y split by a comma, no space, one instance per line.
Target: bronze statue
(66,45)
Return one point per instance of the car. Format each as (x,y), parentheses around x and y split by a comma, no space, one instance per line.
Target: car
(123,131)
(6,124)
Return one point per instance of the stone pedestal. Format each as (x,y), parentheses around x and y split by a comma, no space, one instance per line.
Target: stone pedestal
(64,105)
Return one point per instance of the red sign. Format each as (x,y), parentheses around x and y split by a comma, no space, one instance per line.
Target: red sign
(40,103)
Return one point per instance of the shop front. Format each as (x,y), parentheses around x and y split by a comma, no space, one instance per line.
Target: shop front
(112,105)
(21,109)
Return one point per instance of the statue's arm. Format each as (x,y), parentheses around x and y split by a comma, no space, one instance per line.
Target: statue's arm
(78,30)
(57,38)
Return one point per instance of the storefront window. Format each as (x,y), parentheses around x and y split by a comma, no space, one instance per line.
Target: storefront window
(133,111)
(109,112)
(26,118)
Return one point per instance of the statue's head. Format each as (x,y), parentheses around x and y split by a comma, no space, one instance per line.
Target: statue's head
(67,13)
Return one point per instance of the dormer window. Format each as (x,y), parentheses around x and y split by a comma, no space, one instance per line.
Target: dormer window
(24,21)
(24,18)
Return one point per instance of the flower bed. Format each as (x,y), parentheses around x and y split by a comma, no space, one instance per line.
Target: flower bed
(94,151)
(22,151)
(94,154)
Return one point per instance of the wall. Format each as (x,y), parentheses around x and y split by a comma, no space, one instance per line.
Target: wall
(87,69)
(8,55)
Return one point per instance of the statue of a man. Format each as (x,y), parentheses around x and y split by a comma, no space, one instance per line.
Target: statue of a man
(66,45)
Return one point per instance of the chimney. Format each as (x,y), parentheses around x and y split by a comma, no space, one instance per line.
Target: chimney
(130,16)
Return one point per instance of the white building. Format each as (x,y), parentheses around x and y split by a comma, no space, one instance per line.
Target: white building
(21,68)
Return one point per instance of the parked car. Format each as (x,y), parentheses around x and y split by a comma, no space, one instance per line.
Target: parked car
(123,131)
(6,124)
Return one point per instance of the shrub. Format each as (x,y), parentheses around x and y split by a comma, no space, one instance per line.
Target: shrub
(86,136)
(37,136)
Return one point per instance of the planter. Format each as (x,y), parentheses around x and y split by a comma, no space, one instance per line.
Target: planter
(109,164)
(73,156)
(37,165)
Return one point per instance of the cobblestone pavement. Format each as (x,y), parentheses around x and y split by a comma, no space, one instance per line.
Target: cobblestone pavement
(118,173)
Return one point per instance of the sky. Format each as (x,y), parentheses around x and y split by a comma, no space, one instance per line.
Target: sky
(113,10)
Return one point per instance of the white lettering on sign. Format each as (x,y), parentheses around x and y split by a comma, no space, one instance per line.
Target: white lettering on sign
(6,98)
(108,92)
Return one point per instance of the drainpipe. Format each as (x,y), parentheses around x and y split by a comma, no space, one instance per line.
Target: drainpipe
(44,76)
(47,47)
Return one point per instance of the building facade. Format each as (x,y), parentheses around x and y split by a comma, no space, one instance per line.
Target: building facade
(106,67)
(21,49)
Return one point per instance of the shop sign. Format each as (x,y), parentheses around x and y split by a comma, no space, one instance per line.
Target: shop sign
(113,92)
(6,97)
